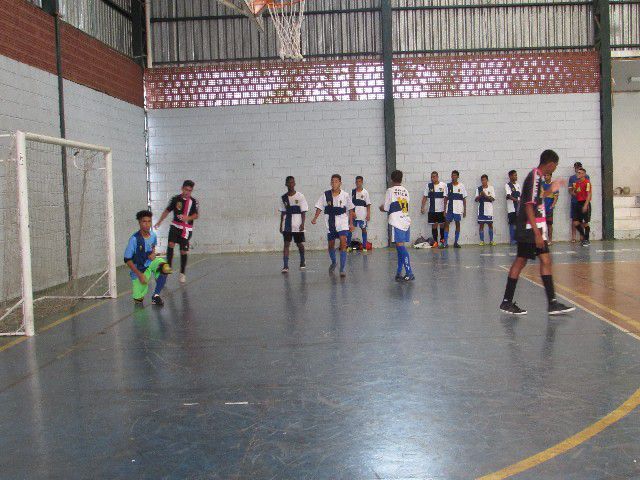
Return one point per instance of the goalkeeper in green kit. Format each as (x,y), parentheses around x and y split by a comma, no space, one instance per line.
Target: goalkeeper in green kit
(140,256)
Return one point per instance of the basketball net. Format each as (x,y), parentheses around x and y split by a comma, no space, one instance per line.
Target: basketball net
(287,16)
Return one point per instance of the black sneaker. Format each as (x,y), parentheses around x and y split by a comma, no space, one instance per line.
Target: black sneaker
(303,266)
(557,308)
(456,245)
(409,278)
(586,243)
(511,308)
(399,277)
(156,300)
(138,303)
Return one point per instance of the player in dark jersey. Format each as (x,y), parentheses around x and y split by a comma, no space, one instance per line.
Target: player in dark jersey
(531,235)
(185,210)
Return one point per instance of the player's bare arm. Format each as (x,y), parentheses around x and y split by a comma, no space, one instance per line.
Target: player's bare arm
(303,216)
(315,217)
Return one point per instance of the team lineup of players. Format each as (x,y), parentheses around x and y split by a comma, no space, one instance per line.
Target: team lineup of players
(530,210)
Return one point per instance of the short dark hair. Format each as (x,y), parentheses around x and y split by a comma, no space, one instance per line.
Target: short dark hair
(188,183)
(577,165)
(581,169)
(484,175)
(456,172)
(286,180)
(511,172)
(143,213)
(396,176)
(359,177)
(434,173)
(335,175)
(549,156)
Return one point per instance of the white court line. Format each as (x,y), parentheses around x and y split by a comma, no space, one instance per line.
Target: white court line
(236,403)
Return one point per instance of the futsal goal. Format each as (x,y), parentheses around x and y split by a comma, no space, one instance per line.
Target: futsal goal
(57,221)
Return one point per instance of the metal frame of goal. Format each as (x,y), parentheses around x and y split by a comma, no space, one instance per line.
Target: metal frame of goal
(26,300)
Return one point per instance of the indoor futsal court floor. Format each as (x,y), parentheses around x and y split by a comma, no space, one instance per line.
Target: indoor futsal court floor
(247,373)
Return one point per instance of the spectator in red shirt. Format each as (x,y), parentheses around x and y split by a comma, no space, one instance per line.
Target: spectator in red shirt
(582,208)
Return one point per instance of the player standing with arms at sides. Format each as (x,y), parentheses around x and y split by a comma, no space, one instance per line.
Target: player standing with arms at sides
(573,179)
(513,191)
(338,213)
(550,200)
(582,209)
(455,200)
(396,204)
(531,234)
(362,202)
(140,256)
(185,210)
(485,196)
(293,208)
(435,193)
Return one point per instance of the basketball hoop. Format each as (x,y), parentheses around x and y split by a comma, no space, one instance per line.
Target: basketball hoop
(287,17)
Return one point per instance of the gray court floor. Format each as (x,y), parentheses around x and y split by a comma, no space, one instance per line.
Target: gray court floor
(246,373)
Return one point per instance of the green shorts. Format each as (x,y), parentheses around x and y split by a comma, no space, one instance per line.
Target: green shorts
(139,290)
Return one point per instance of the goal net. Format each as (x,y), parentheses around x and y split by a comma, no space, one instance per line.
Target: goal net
(57,240)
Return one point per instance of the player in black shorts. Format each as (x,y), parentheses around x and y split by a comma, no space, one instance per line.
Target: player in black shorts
(293,211)
(185,210)
(531,235)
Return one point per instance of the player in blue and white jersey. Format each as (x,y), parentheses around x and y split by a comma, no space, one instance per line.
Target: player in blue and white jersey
(293,210)
(435,192)
(396,204)
(362,212)
(485,196)
(338,214)
(455,201)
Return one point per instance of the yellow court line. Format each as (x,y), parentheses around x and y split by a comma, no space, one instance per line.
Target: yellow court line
(591,431)
(66,318)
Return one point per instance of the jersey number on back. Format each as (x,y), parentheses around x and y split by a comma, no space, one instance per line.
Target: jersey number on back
(404,205)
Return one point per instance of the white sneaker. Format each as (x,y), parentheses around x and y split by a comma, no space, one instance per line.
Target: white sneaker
(183,278)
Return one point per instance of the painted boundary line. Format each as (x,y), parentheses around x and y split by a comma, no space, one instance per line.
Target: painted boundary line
(592,430)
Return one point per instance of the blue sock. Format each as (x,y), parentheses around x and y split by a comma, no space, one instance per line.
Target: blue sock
(457,235)
(332,254)
(349,235)
(364,241)
(446,237)
(491,234)
(160,281)
(482,235)
(400,260)
(302,256)
(512,232)
(285,259)
(343,260)
(406,261)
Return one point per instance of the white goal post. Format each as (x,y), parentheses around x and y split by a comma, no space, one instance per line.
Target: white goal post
(90,232)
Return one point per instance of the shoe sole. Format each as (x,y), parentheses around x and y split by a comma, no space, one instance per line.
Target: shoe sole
(513,313)
(562,312)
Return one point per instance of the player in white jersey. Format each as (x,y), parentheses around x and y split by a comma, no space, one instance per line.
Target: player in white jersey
(293,211)
(338,213)
(396,204)
(362,212)
(513,191)
(435,193)
(485,196)
(455,201)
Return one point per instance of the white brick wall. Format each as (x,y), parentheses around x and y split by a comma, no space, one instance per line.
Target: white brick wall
(29,101)
(95,117)
(493,135)
(626,141)
(239,158)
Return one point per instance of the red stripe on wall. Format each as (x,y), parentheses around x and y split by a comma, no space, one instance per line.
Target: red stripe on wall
(27,35)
